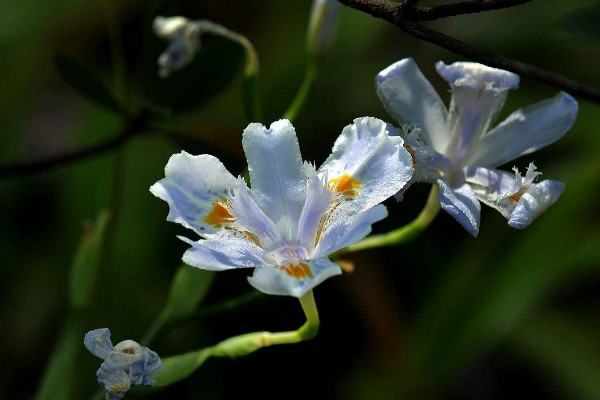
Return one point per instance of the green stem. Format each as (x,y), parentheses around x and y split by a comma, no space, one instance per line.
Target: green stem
(403,234)
(250,342)
(310,75)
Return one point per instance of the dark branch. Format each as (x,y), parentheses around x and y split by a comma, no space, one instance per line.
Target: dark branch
(392,12)
(466,7)
(21,168)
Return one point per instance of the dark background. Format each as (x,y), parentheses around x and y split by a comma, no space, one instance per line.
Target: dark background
(511,313)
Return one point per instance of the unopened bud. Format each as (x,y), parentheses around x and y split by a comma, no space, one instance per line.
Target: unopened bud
(322,27)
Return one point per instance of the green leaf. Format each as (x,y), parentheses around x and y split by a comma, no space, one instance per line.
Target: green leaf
(189,287)
(180,367)
(58,377)
(85,82)
(566,349)
(86,262)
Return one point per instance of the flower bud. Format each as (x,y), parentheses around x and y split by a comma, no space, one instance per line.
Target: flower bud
(321,27)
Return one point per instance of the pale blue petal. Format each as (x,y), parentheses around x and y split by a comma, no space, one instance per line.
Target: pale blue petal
(473,74)
(526,130)
(462,204)
(98,342)
(115,380)
(345,230)
(379,163)
(534,202)
(272,280)
(318,203)
(250,218)
(142,370)
(500,183)
(478,94)
(225,252)
(190,186)
(409,97)
(276,170)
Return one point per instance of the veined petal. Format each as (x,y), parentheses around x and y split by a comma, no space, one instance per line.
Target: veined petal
(293,280)
(98,342)
(409,97)
(525,131)
(194,187)
(478,94)
(115,380)
(225,252)
(498,183)
(367,165)
(344,230)
(251,221)
(537,199)
(276,170)
(462,204)
(316,212)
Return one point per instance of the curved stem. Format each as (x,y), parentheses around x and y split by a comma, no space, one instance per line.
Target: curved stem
(310,75)
(403,234)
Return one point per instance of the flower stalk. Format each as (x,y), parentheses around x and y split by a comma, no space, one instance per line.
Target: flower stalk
(405,233)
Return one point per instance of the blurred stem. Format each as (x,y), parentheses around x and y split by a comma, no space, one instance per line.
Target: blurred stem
(117,51)
(403,234)
(162,325)
(310,75)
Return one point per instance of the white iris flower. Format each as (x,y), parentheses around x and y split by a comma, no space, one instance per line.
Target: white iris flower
(293,216)
(459,148)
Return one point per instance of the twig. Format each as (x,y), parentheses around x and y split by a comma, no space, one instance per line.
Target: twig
(466,7)
(394,13)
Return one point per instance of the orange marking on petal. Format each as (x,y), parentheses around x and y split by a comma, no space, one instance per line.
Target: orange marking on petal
(345,184)
(516,197)
(299,271)
(220,214)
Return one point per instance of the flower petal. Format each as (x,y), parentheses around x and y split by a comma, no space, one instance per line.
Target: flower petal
(478,94)
(192,187)
(462,204)
(142,370)
(534,202)
(526,130)
(500,183)
(409,97)
(98,342)
(314,214)
(345,230)
(276,170)
(367,165)
(251,220)
(227,251)
(276,281)
(115,380)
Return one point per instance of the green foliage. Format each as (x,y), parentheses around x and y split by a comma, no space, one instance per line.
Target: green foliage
(189,287)
(86,83)
(180,367)
(87,262)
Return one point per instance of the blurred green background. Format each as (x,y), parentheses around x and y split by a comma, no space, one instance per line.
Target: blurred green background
(511,313)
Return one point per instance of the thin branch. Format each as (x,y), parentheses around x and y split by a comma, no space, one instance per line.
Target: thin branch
(466,7)
(392,12)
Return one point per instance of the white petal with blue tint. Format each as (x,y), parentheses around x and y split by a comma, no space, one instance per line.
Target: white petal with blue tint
(276,169)
(98,342)
(534,202)
(409,97)
(473,74)
(498,183)
(250,219)
(367,166)
(192,186)
(526,130)
(461,203)
(279,281)
(344,230)
(226,252)
(316,212)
